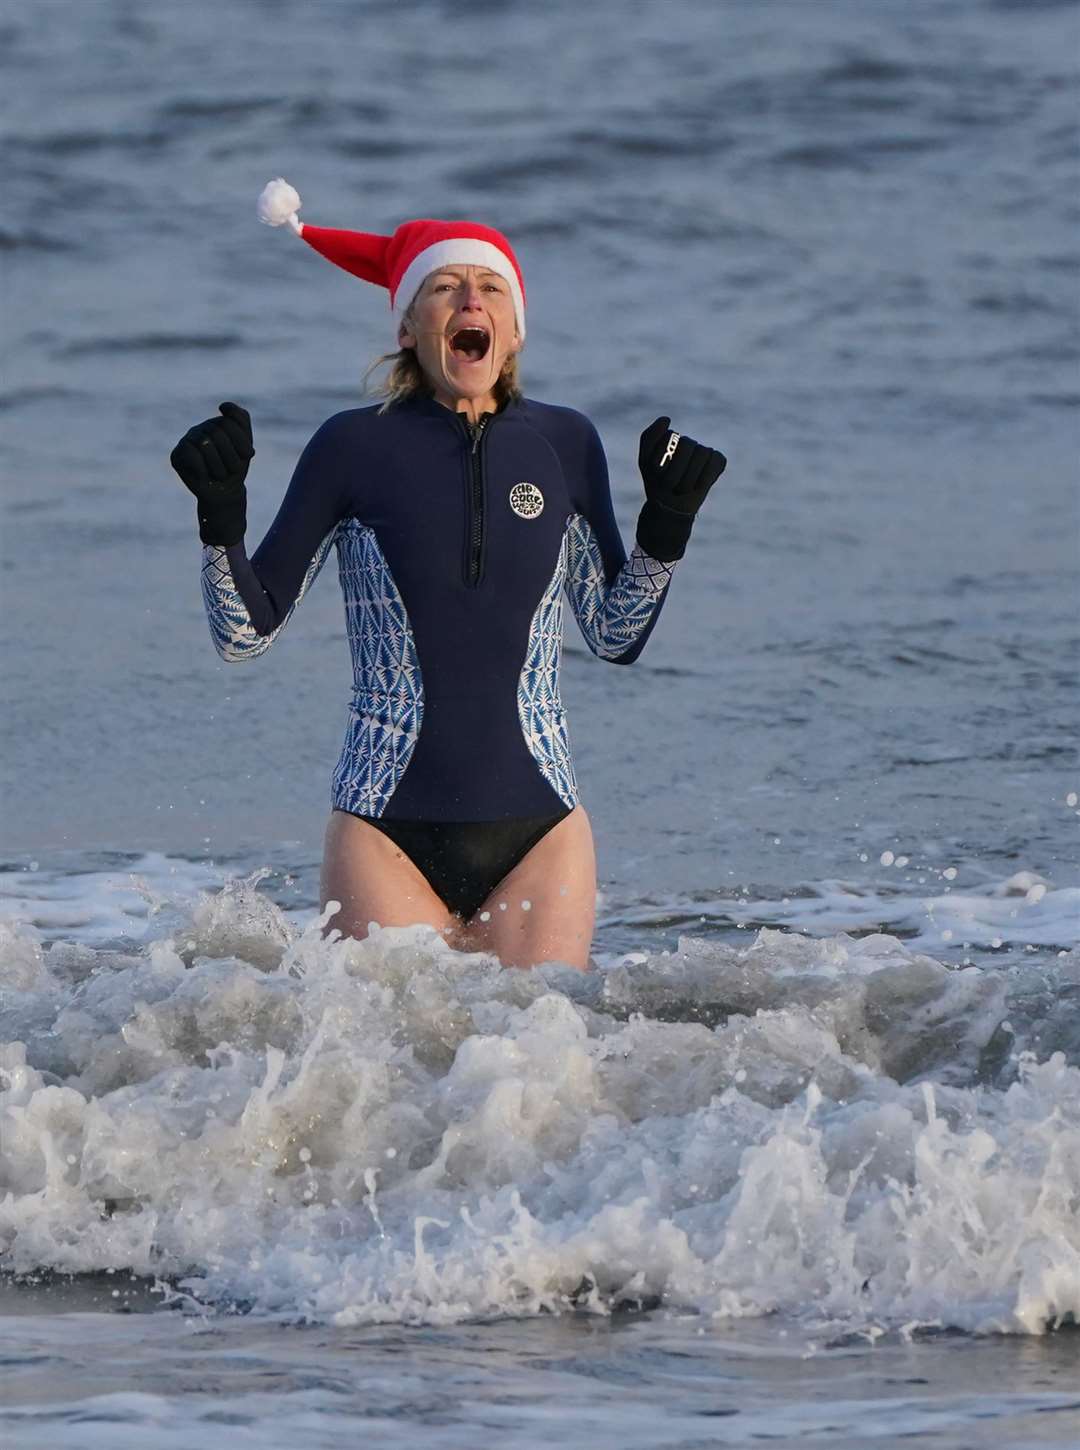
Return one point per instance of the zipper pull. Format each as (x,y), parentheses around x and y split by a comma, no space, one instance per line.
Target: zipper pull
(478,430)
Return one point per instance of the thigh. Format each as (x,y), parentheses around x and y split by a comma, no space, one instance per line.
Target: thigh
(544,909)
(375,881)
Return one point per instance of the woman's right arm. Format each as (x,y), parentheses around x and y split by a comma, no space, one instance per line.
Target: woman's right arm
(242,619)
(249,601)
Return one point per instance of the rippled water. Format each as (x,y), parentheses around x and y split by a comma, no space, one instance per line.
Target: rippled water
(806,1141)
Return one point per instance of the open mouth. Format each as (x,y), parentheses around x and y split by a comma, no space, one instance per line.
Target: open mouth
(471,343)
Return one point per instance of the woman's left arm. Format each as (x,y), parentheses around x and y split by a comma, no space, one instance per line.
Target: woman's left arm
(617,600)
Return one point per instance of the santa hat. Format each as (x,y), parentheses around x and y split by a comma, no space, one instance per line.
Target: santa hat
(402,261)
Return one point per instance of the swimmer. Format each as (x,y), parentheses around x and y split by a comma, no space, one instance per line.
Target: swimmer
(460,512)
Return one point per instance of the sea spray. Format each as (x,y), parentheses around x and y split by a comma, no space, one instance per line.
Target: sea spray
(841,1129)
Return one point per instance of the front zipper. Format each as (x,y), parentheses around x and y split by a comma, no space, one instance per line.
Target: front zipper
(476,538)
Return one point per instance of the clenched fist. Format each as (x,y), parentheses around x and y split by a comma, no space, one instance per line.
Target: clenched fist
(677,472)
(212,460)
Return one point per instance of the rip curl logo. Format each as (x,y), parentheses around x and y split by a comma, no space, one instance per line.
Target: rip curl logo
(673,443)
(526,500)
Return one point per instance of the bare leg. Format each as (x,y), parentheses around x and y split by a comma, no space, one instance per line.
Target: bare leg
(544,909)
(375,881)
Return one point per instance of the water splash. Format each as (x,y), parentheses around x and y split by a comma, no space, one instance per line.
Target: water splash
(388,1131)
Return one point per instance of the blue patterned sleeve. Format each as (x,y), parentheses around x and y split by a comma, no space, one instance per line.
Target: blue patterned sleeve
(616,600)
(249,601)
(231,625)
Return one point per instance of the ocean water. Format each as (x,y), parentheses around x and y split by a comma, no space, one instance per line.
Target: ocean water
(799,1160)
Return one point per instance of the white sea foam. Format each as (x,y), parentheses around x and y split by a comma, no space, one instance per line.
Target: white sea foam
(1021,911)
(840,1129)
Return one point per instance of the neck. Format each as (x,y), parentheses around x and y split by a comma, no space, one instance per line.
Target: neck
(471,407)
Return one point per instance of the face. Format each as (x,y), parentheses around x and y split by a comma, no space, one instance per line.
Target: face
(463,328)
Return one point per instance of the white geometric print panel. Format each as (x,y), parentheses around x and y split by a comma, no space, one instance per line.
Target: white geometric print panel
(231,629)
(388,697)
(540,709)
(611,619)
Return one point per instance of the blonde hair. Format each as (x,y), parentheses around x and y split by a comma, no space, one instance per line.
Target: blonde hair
(407,379)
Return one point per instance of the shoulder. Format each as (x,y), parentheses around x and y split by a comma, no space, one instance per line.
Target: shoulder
(572,435)
(575,440)
(345,436)
(347,424)
(558,422)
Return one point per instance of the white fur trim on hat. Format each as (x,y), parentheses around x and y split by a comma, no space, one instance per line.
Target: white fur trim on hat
(464,252)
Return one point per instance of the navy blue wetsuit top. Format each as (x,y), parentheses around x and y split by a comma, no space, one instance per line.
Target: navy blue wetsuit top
(455,546)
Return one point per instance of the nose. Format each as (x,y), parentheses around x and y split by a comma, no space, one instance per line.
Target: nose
(473,299)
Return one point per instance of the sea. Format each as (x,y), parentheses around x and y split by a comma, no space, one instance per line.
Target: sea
(798,1160)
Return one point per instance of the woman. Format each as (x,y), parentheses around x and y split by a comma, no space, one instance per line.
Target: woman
(460,511)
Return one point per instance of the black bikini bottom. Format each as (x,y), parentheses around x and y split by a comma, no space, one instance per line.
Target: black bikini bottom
(464,861)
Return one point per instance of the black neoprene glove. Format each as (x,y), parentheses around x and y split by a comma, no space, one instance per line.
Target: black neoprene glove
(678,474)
(212,459)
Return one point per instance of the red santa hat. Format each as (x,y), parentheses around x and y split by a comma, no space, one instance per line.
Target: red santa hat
(402,261)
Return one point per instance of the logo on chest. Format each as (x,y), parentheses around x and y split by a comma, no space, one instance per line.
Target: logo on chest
(526,500)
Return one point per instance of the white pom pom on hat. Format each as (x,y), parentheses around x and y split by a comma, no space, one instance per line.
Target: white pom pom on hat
(402,261)
(279,203)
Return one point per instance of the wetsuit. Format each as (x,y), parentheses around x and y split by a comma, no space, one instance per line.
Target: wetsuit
(455,544)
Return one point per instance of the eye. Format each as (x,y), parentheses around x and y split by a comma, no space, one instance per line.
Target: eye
(494,286)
